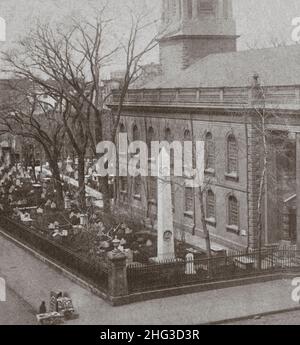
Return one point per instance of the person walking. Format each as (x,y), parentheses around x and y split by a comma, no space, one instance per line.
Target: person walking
(43,309)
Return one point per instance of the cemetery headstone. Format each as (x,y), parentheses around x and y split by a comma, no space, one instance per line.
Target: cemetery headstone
(189,265)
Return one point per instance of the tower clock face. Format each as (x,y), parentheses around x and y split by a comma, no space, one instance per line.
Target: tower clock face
(167,235)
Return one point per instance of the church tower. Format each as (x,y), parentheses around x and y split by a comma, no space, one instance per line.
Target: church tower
(193,29)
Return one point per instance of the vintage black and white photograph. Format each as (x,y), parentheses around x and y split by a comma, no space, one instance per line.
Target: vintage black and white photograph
(149,164)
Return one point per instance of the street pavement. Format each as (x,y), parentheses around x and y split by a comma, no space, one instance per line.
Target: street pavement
(15,311)
(290,318)
(32,280)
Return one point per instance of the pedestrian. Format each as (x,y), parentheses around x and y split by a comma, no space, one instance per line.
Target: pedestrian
(43,309)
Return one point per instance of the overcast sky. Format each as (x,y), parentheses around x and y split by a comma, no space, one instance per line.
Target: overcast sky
(258,21)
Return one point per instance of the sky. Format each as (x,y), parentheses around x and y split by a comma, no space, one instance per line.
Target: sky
(259,22)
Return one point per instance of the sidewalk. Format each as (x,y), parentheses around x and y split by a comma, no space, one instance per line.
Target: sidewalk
(33,280)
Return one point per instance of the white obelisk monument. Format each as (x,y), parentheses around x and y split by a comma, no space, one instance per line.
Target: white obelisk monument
(165,231)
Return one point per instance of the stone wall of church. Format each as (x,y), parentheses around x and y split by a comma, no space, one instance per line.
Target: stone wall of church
(221,185)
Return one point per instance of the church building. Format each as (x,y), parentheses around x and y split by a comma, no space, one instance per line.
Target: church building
(245,106)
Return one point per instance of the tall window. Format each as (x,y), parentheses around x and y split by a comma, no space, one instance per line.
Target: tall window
(137,186)
(150,138)
(135,137)
(233,211)
(187,135)
(152,189)
(210,204)
(168,138)
(122,128)
(209,152)
(187,155)
(168,135)
(190,8)
(189,200)
(123,184)
(173,194)
(232,155)
(135,133)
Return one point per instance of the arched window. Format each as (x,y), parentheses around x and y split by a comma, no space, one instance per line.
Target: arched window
(187,157)
(233,211)
(210,205)
(168,138)
(209,152)
(137,186)
(150,139)
(189,200)
(173,194)
(232,155)
(135,133)
(152,189)
(123,184)
(168,135)
(135,137)
(122,128)
(187,135)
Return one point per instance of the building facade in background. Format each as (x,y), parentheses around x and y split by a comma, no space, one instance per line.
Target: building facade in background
(235,102)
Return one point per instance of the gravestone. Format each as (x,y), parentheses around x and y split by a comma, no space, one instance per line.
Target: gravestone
(84,219)
(189,264)
(129,256)
(67,203)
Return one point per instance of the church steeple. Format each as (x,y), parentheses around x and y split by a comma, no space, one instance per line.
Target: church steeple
(193,29)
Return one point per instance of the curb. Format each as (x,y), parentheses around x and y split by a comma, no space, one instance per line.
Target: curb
(269,313)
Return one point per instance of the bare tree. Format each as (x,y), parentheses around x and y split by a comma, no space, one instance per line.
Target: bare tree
(28,115)
(261,116)
(74,58)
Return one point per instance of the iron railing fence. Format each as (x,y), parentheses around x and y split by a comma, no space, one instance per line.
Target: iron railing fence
(147,276)
(93,271)
(174,273)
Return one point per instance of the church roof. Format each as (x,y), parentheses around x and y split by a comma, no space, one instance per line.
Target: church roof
(275,67)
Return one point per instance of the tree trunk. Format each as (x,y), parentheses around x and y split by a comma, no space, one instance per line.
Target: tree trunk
(204,225)
(57,183)
(81,181)
(104,186)
(206,234)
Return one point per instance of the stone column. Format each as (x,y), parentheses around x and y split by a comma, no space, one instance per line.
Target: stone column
(117,274)
(298,187)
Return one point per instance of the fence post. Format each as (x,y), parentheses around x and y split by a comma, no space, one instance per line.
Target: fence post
(117,274)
